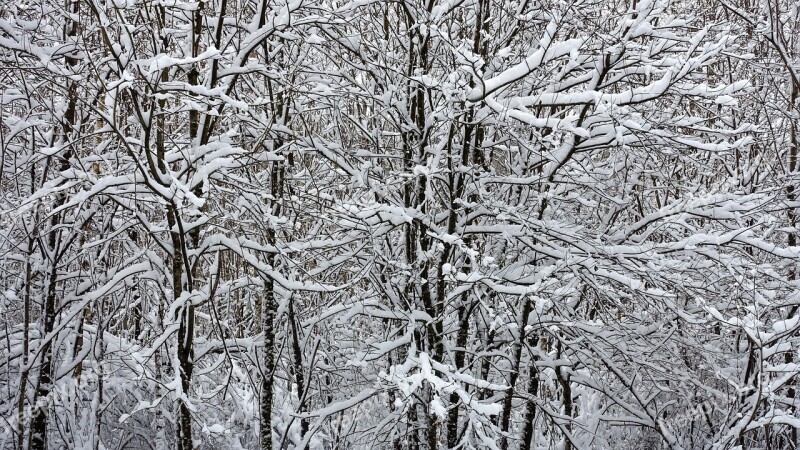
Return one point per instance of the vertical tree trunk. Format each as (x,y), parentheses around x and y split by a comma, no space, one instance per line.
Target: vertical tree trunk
(38,431)
(791,197)
(23,377)
(530,404)
(516,361)
(268,365)
(299,378)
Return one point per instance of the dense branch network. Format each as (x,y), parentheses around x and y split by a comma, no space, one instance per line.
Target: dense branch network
(403,225)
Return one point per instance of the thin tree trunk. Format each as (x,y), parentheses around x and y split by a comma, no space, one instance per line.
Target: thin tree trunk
(505,418)
(23,378)
(299,378)
(38,437)
(530,404)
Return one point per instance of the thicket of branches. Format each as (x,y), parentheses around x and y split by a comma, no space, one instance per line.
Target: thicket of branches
(406,225)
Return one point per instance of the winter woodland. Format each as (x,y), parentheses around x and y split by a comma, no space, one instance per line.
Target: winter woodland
(371,224)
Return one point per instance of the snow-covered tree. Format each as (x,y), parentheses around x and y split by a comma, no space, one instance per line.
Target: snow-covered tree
(417,224)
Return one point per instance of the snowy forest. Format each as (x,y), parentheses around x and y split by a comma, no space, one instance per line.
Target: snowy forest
(405,224)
